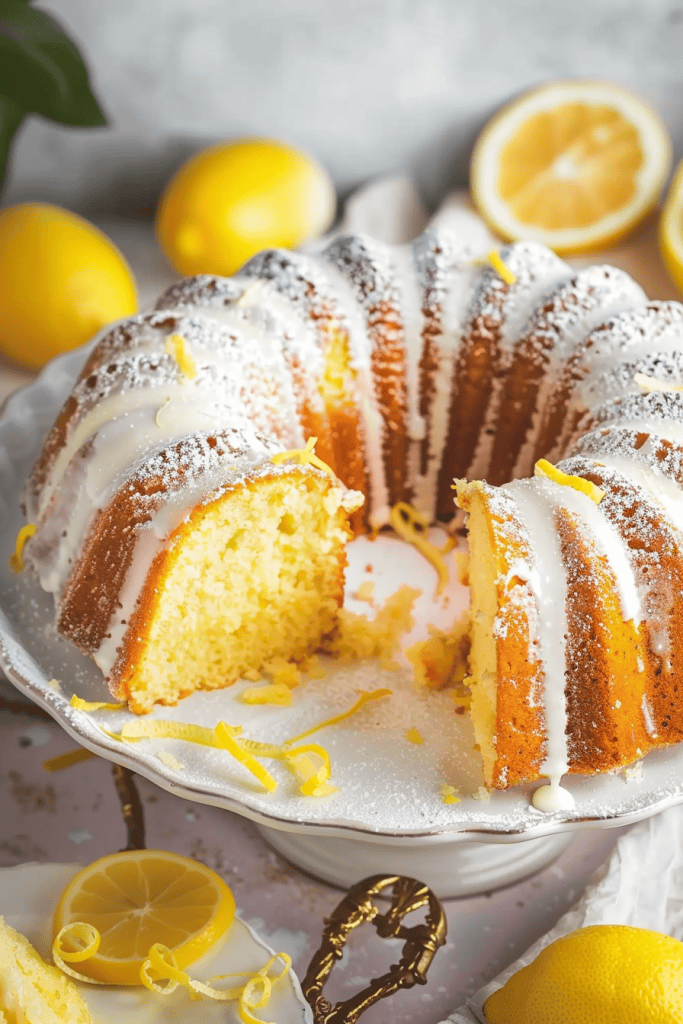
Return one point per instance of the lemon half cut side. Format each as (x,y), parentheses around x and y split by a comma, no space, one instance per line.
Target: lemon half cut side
(575,165)
(138,898)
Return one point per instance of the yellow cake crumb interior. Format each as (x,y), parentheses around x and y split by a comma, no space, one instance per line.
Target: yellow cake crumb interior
(257,575)
(483,658)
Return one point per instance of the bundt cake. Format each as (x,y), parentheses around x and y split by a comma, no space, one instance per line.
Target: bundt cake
(188,535)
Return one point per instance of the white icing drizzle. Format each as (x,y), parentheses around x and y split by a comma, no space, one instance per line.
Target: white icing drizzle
(664,490)
(603,292)
(609,543)
(650,726)
(360,355)
(547,580)
(664,430)
(413,322)
(453,310)
(537,272)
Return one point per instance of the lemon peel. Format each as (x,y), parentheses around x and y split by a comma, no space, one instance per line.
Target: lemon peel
(501,267)
(649,384)
(160,973)
(227,741)
(414,736)
(93,705)
(365,698)
(16,561)
(411,526)
(78,934)
(304,456)
(166,730)
(161,966)
(55,764)
(449,794)
(177,347)
(313,778)
(310,763)
(273,693)
(546,469)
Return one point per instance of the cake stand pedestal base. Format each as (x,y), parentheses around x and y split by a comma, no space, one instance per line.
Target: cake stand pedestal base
(449,867)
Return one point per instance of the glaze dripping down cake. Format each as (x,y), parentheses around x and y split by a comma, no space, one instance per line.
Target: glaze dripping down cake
(184,548)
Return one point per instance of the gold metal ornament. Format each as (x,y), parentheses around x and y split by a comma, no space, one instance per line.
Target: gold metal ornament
(420,944)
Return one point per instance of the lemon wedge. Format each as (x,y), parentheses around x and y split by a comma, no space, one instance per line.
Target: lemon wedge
(141,897)
(573,164)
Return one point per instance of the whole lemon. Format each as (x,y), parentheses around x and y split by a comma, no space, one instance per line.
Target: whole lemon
(603,974)
(229,202)
(61,281)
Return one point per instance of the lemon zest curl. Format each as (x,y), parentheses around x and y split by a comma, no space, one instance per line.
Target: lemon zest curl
(16,561)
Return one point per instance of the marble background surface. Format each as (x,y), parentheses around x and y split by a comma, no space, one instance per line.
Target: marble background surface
(367,85)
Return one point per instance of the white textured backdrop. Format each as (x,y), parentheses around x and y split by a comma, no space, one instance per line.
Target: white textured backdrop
(367,85)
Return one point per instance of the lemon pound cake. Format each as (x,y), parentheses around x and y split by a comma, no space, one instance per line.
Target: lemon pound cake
(31,991)
(184,545)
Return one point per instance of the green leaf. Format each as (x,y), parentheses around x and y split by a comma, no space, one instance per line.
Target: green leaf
(40,68)
(11,116)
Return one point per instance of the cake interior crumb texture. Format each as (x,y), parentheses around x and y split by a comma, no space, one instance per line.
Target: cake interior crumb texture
(31,991)
(255,574)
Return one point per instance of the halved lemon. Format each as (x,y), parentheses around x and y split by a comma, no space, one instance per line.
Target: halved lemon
(671,229)
(573,164)
(140,897)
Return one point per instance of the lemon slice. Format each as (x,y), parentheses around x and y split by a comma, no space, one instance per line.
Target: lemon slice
(141,897)
(671,229)
(575,165)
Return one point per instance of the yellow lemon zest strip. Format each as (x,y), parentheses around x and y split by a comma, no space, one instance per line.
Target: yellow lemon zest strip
(273,693)
(365,698)
(93,705)
(449,794)
(414,736)
(81,935)
(412,527)
(177,347)
(246,1003)
(162,962)
(312,777)
(501,267)
(546,469)
(55,764)
(305,456)
(259,749)
(163,729)
(226,740)
(16,562)
(649,384)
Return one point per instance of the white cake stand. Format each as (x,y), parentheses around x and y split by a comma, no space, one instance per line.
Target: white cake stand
(388,814)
